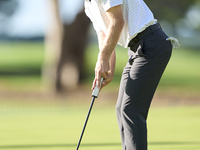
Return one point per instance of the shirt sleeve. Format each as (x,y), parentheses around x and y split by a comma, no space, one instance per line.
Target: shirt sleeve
(107,4)
(96,27)
(94,23)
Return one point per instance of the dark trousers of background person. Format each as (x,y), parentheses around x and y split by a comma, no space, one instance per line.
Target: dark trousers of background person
(148,60)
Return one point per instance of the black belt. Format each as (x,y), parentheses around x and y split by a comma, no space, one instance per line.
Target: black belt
(144,33)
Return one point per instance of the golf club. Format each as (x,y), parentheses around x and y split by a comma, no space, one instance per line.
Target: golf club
(95,94)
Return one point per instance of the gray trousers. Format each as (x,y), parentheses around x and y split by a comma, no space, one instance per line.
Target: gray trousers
(139,81)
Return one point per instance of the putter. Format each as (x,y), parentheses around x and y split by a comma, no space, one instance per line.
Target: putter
(95,94)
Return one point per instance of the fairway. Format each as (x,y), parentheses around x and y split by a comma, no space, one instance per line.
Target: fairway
(181,76)
(30,119)
(57,126)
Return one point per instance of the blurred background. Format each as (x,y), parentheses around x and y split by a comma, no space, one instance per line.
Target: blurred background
(48,51)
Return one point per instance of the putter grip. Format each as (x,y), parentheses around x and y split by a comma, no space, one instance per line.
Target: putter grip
(95,92)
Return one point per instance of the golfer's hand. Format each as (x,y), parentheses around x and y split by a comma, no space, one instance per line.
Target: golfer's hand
(101,70)
(110,77)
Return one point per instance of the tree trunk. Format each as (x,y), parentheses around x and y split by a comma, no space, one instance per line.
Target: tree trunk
(64,51)
(53,46)
(70,68)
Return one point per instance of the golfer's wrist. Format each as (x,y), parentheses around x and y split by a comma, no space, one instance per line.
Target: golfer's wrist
(104,55)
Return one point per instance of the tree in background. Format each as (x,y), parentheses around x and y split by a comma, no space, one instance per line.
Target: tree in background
(65,45)
(179,18)
(7,9)
(170,10)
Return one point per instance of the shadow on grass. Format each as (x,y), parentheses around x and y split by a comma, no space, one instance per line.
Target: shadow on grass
(91,145)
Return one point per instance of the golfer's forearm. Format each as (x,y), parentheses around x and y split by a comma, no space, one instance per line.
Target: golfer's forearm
(113,33)
(101,39)
(110,40)
(112,62)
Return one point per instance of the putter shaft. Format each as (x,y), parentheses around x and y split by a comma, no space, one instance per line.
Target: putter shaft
(93,99)
(95,94)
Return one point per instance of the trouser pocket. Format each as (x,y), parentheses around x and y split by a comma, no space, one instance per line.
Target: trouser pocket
(136,51)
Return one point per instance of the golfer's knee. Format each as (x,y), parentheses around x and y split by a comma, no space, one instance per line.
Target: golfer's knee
(118,110)
(128,113)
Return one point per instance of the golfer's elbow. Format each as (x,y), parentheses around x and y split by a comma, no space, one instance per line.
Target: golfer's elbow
(117,24)
(120,23)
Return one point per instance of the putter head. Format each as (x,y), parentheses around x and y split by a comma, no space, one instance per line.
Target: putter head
(95,92)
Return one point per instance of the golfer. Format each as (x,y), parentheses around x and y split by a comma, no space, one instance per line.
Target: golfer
(131,24)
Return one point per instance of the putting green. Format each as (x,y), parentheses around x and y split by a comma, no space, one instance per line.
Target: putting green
(58,126)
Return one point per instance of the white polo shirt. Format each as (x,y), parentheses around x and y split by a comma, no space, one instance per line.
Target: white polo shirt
(137,17)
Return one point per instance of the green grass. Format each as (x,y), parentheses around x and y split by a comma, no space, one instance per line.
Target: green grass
(174,128)
(20,65)
(21,56)
(57,126)
(183,70)
(37,123)
(182,73)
